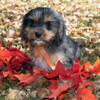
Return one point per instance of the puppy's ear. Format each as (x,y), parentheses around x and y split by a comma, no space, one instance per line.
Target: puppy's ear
(22,30)
(23,35)
(61,30)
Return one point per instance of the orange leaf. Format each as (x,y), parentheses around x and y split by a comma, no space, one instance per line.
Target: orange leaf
(92,68)
(96,66)
(96,69)
(86,83)
(25,79)
(88,67)
(85,94)
(97,62)
(39,50)
(4,52)
(9,74)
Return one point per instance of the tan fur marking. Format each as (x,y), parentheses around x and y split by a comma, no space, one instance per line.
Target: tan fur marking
(46,19)
(34,18)
(48,35)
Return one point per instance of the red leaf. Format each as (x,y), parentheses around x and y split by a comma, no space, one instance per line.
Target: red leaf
(9,74)
(6,73)
(1,64)
(66,75)
(76,66)
(14,59)
(59,70)
(61,88)
(7,54)
(53,84)
(76,80)
(37,70)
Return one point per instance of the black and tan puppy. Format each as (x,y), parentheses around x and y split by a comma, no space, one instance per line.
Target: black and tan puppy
(43,26)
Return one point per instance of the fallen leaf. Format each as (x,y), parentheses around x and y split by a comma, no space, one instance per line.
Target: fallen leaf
(9,75)
(95,68)
(57,72)
(60,89)
(85,94)
(53,84)
(86,83)
(76,66)
(37,70)
(25,79)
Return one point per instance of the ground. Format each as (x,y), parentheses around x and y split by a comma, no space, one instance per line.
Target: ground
(82,21)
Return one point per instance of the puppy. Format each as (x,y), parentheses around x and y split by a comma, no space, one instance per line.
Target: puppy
(46,27)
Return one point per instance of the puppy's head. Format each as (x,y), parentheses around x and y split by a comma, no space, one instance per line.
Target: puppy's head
(42,26)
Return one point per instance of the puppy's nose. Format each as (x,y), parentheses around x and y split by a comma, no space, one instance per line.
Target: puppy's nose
(38,34)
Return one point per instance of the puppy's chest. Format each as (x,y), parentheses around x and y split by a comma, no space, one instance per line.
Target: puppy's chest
(55,57)
(58,56)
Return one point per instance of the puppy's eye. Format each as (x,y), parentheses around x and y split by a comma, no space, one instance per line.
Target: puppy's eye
(49,24)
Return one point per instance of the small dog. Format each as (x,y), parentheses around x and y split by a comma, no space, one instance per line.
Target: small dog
(43,26)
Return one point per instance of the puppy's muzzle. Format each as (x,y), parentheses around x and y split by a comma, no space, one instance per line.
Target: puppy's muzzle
(38,40)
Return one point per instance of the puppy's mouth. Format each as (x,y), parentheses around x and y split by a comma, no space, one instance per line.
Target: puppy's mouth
(38,42)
